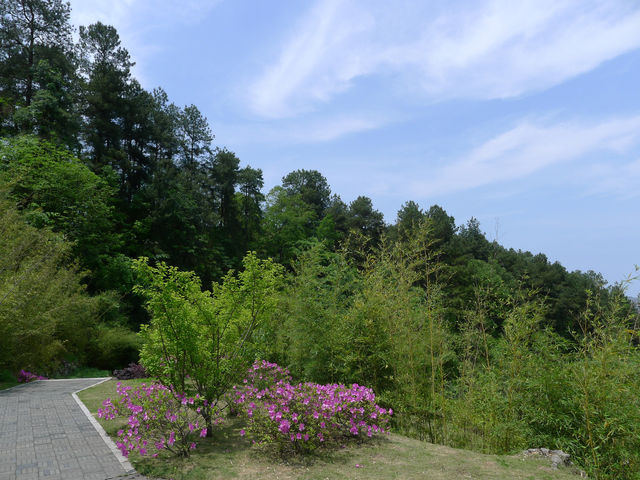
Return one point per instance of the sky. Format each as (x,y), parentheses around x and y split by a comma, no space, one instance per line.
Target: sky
(524,115)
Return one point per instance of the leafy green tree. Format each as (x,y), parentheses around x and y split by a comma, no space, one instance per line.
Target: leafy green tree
(326,231)
(137,163)
(56,190)
(604,384)
(45,313)
(29,31)
(410,216)
(164,123)
(176,227)
(340,213)
(312,186)
(471,242)
(52,114)
(223,177)
(198,341)
(363,218)
(443,226)
(287,221)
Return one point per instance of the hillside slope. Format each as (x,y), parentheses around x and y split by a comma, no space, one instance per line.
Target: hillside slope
(228,455)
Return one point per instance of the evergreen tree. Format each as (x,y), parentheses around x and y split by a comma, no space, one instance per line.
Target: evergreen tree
(36,67)
(364,219)
(249,199)
(312,186)
(106,66)
(194,137)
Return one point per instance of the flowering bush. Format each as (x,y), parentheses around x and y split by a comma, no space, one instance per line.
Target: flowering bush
(26,377)
(305,416)
(264,375)
(159,420)
(134,370)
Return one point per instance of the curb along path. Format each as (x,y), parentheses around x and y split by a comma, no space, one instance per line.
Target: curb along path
(45,434)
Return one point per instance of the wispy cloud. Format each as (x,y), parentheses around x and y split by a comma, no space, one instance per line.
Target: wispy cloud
(311,53)
(489,49)
(135,18)
(311,130)
(529,148)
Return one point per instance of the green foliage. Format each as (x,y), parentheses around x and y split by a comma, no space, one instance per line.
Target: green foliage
(34,33)
(409,318)
(249,198)
(105,66)
(537,389)
(497,379)
(198,341)
(364,219)
(45,313)
(194,136)
(286,223)
(314,337)
(312,187)
(605,380)
(7,379)
(114,347)
(54,189)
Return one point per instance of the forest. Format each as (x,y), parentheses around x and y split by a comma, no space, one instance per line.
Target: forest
(104,184)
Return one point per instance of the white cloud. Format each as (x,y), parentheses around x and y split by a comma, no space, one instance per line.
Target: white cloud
(492,49)
(135,18)
(311,130)
(529,148)
(311,54)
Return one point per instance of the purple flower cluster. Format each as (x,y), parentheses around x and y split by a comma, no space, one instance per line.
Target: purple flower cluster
(26,377)
(159,419)
(305,416)
(263,375)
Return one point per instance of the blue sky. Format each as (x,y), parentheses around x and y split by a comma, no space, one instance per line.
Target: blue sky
(523,114)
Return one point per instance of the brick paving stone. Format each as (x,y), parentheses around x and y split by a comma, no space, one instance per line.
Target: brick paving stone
(45,435)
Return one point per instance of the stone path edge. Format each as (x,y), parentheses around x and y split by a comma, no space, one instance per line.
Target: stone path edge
(112,446)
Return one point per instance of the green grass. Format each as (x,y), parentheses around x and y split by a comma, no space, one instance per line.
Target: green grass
(7,380)
(228,455)
(4,384)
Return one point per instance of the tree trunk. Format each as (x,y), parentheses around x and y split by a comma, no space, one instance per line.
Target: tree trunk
(30,59)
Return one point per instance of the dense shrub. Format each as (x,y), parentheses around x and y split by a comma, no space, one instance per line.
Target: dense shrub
(160,419)
(26,377)
(45,313)
(114,347)
(134,370)
(300,418)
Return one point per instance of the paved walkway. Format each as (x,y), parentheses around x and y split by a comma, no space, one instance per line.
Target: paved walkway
(44,434)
